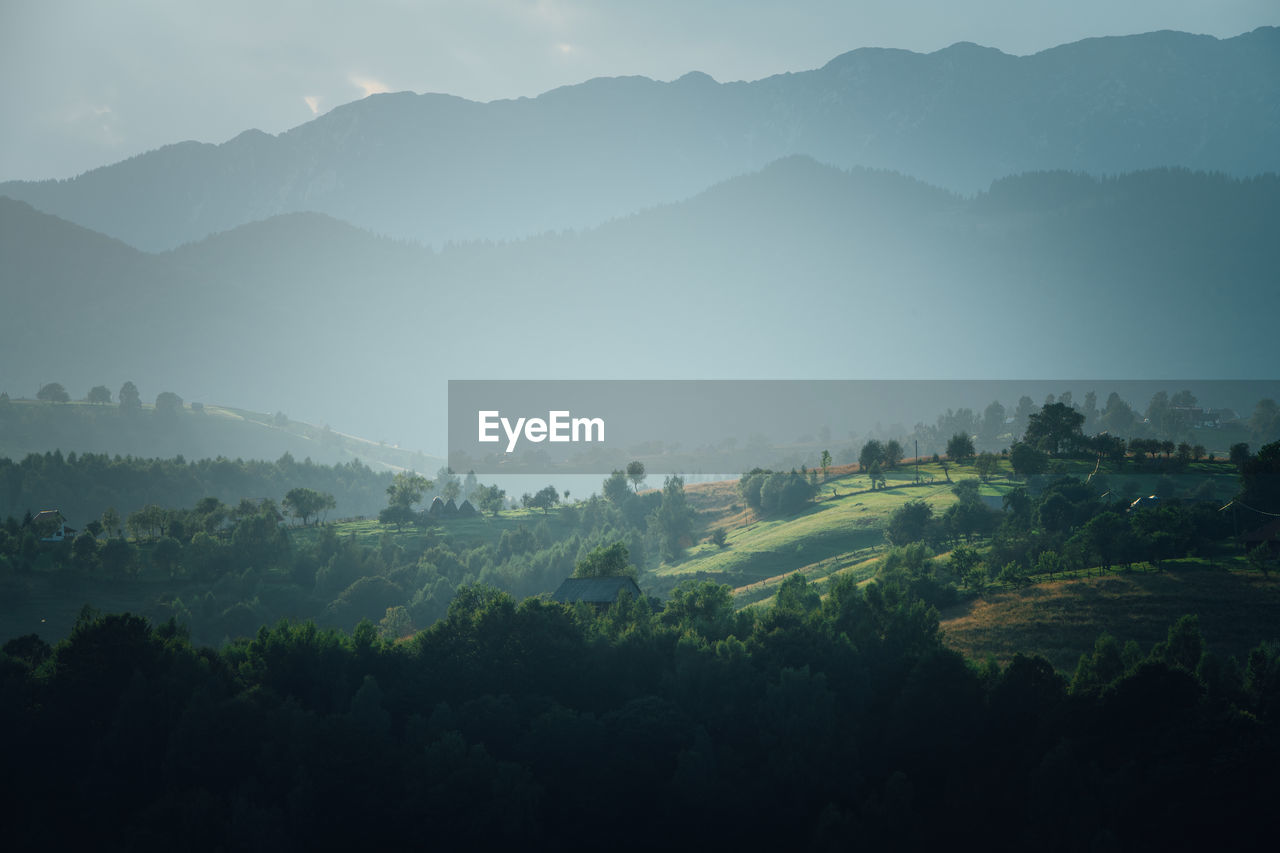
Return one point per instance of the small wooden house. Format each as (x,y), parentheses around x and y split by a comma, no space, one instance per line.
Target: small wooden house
(51,526)
(601,592)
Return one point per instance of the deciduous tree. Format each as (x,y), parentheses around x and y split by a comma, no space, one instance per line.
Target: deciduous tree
(303,503)
(635,473)
(615,487)
(1053,426)
(871,453)
(168,403)
(606,562)
(53,392)
(674,518)
(1117,416)
(1239,455)
(397,514)
(960,447)
(908,523)
(84,551)
(167,554)
(545,498)
(892,453)
(406,489)
(987,465)
(992,423)
(129,397)
(490,499)
(111,522)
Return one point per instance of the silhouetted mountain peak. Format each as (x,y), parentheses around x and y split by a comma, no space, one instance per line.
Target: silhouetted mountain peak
(696,78)
(863,56)
(252,136)
(609,87)
(968,48)
(437,168)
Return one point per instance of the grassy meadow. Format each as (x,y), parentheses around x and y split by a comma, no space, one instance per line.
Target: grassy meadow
(1060,618)
(841,531)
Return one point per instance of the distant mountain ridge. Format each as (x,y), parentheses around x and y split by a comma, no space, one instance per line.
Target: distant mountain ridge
(799,270)
(435,168)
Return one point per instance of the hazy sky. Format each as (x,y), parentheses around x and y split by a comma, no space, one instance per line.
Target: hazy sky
(90,83)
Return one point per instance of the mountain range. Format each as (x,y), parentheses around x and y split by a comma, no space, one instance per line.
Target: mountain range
(434,168)
(799,270)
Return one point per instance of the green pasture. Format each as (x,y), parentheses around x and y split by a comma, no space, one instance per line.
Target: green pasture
(844,523)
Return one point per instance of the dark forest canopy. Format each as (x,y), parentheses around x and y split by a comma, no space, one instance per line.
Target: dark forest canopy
(833,723)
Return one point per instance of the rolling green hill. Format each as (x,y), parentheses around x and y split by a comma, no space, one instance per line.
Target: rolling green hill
(842,534)
(346,570)
(841,531)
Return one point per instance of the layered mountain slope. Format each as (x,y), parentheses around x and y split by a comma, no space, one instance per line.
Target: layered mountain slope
(798,271)
(435,168)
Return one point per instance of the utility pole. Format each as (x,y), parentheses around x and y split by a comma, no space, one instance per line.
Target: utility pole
(917,442)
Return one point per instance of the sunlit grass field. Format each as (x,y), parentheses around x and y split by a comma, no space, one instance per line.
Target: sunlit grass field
(842,532)
(841,529)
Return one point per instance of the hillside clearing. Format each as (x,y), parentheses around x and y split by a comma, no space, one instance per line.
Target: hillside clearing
(1061,620)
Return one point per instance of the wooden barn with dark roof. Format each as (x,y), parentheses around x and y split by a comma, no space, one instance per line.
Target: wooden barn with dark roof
(598,591)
